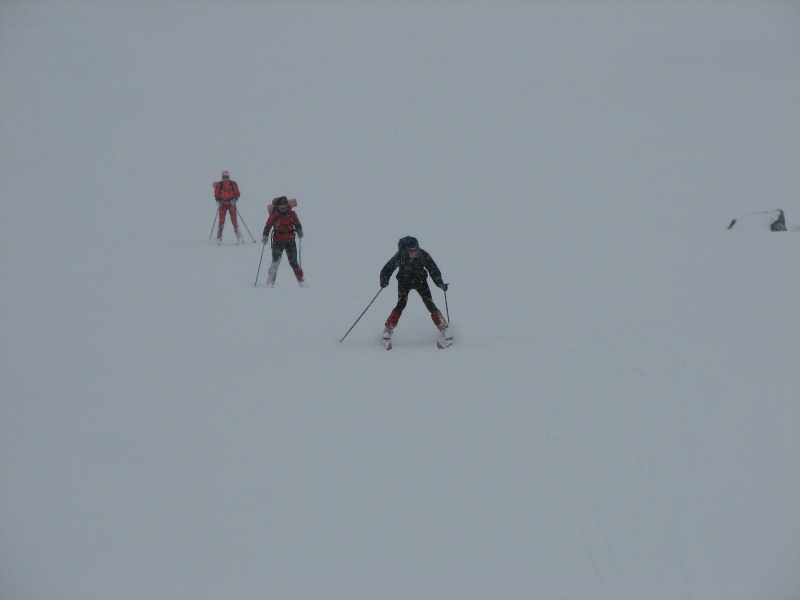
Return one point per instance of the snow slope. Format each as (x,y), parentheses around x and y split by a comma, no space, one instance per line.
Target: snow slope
(618,418)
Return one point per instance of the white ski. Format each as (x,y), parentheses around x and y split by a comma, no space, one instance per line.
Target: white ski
(445,342)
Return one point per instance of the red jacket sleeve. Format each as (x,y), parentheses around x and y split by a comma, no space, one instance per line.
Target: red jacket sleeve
(270,221)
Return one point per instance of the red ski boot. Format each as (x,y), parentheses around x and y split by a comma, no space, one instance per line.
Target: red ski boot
(443,327)
(388,328)
(301,281)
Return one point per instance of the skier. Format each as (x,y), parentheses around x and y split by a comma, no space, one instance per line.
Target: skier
(414,265)
(285,223)
(226,193)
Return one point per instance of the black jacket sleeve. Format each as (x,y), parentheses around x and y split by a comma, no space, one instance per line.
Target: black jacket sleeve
(388,269)
(433,269)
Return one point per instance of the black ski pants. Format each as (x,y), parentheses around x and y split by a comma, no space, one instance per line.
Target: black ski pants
(291,253)
(405,287)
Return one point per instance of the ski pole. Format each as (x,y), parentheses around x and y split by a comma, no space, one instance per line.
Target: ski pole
(213,225)
(359,317)
(446,308)
(263,246)
(245,225)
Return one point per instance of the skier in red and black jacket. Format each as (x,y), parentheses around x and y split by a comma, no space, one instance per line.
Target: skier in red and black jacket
(226,193)
(413,265)
(285,225)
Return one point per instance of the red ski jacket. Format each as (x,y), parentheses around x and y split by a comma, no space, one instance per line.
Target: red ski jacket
(226,190)
(284,223)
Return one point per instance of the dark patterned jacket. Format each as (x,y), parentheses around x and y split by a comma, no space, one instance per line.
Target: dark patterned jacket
(411,271)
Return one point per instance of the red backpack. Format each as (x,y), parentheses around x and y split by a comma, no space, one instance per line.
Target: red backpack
(271,206)
(232,186)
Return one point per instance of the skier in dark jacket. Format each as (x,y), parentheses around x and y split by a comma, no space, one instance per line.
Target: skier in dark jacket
(413,266)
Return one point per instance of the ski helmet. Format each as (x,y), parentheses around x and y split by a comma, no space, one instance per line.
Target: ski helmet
(407,243)
(281,200)
(226,174)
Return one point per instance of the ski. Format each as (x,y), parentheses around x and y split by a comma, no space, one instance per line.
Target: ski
(444,343)
(440,344)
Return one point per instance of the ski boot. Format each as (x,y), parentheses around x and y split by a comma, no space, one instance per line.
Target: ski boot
(444,328)
(271,275)
(388,328)
(301,281)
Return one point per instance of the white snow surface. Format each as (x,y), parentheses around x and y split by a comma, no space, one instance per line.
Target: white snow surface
(619,417)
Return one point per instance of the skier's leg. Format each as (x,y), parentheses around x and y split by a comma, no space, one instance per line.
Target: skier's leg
(425,293)
(277,251)
(436,315)
(221,213)
(439,321)
(291,254)
(391,322)
(394,317)
(402,297)
(235,222)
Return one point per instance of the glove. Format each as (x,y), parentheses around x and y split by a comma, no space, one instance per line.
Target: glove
(219,202)
(442,286)
(233,201)
(264,239)
(384,284)
(299,233)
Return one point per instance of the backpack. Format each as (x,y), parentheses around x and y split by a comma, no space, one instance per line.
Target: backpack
(231,183)
(292,202)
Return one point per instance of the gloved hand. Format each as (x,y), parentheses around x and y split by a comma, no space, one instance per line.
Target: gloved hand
(219,202)
(233,201)
(442,286)
(299,233)
(264,239)
(384,284)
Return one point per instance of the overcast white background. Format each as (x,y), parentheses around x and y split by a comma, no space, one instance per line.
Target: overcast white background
(618,418)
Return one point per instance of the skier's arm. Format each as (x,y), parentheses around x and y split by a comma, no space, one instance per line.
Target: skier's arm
(268,226)
(298,229)
(433,271)
(388,269)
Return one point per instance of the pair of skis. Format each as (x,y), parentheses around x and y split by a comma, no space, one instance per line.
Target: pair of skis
(441,344)
(239,241)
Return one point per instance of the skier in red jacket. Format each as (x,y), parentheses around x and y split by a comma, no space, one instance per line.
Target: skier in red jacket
(285,225)
(226,193)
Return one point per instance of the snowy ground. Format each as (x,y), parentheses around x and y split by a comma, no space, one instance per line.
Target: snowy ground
(619,416)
